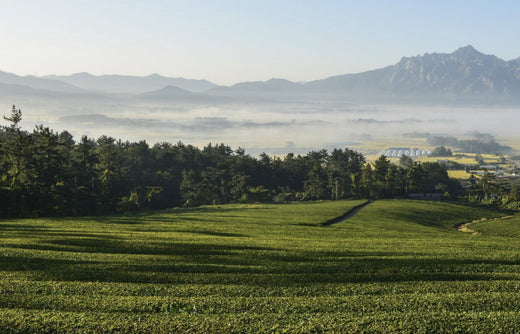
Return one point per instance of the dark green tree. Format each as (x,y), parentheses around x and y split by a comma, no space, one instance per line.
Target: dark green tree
(381,174)
(14,148)
(405,161)
(86,184)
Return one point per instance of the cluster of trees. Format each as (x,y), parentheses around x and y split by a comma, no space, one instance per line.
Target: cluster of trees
(485,144)
(441,151)
(488,189)
(44,172)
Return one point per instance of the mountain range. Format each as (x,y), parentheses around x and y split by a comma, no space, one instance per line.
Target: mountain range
(465,74)
(124,84)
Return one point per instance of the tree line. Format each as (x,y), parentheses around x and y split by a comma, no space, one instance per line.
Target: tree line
(484,144)
(488,189)
(48,173)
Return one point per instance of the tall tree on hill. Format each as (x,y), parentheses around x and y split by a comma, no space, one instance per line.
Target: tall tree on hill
(293,173)
(85,177)
(405,161)
(242,168)
(342,167)
(13,147)
(315,185)
(395,181)
(381,173)
(488,189)
(49,176)
(436,178)
(356,161)
(113,171)
(17,157)
(167,172)
(415,176)
(264,175)
(367,183)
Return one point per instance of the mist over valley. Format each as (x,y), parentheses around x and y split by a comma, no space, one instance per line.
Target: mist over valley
(444,94)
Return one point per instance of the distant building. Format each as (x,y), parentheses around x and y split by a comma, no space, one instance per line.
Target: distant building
(397,152)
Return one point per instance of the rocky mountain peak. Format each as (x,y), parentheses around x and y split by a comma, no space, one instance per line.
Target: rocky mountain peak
(467,51)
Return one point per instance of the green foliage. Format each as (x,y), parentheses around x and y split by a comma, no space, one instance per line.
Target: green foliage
(489,189)
(140,198)
(483,144)
(441,151)
(405,161)
(397,266)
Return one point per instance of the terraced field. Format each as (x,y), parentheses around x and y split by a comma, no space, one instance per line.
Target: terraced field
(396,266)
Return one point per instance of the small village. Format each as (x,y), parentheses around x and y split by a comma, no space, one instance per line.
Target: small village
(468,164)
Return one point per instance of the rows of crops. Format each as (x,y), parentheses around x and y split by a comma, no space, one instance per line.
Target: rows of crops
(395,266)
(506,226)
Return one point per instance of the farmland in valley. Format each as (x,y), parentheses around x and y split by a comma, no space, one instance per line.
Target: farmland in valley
(398,265)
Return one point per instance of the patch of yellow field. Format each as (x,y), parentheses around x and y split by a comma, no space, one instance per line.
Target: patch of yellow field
(459,174)
(460,160)
(399,141)
(374,157)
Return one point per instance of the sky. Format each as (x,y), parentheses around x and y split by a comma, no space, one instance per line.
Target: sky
(244,40)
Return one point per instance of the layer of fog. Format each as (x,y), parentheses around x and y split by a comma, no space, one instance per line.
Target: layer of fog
(271,128)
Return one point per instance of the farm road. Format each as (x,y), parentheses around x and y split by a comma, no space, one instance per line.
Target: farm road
(347,215)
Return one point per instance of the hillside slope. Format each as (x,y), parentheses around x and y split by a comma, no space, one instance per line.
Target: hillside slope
(397,266)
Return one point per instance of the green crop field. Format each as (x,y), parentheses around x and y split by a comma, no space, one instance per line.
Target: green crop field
(396,266)
(507,226)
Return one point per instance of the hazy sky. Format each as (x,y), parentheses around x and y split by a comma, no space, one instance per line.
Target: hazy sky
(231,41)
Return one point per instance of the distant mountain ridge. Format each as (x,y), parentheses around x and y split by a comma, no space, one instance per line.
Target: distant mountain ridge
(125,84)
(38,83)
(464,74)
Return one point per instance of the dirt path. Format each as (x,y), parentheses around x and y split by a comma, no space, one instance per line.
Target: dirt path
(464,227)
(347,215)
